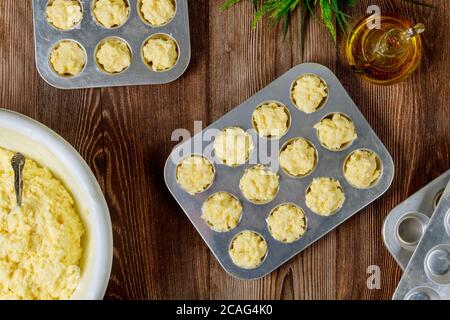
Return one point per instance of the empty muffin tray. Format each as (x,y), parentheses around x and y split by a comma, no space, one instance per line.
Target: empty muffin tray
(427,275)
(406,223)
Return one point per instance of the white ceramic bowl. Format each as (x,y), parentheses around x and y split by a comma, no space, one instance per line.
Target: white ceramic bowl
(21,134)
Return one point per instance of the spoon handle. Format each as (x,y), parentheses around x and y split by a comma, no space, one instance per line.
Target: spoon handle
(17,163)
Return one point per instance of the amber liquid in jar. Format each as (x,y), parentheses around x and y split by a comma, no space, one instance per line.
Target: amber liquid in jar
(383,55)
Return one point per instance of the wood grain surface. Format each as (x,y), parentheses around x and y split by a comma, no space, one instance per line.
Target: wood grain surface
(125,136)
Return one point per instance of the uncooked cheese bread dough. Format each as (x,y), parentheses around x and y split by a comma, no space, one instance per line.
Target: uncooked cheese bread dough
(111,13)
(271,120)
(325,196)
(160,53)
(158,12)
(337,132)
(233,146)
(259,184)
(287,223)
(308,93)
(114,55)
(248,250)
(67,58)
(195,174)
(40,242)
(298,158)
(222,212)
(64,14)
(362,169)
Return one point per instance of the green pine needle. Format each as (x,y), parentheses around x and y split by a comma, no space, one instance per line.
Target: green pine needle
(327,17)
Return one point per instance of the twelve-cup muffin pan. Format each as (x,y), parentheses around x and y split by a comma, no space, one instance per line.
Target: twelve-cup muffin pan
(291,190)
(427,276)
(406,223)
(89,33)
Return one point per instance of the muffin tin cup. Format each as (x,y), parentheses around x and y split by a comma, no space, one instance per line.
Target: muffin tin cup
(156,36)
(287,113)
(291,190)
(232,196)
(429,267)
(251,151)
(213,168)
(262,237)
(98,47)
(410,229)
(259,202)
(67,76)
(419,207)
(379,167)
(94,18)
(332,213)
(346,145)
(287,204)
(76,26)
(89,33)
(322,103)
(141,15)
(316,156)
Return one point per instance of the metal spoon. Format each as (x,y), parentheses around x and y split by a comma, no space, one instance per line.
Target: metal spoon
(17,163)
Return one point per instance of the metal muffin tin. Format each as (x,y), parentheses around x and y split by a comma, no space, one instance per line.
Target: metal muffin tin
(407,222)
(89,34)
(292,190)
(427,276)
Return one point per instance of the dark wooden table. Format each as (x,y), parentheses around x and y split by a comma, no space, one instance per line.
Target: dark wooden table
(125,136)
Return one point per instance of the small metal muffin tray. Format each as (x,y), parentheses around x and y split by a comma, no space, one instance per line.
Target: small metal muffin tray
(427,276)
(406,223)
(89,33)
(292,190)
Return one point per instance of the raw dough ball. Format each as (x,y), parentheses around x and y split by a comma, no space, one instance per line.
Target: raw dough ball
(325,196)
(157,12)
(114,55)
(64,14)
(362,169)
(160,53)
(337,132)
(68,58)
(111,13)
(195,174)
(222,212)
(271,120)
(248,250)
(233,146)
(287,223)
(259,184)
(308,93)
(298,158)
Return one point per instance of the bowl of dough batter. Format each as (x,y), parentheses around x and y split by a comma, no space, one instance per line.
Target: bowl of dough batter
(82,208)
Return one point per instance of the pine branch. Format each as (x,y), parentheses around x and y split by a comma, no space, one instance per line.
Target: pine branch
(280,11)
